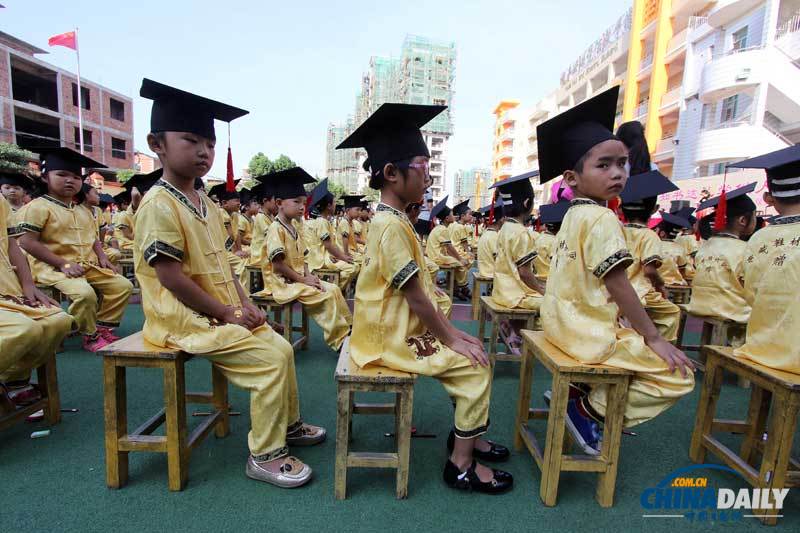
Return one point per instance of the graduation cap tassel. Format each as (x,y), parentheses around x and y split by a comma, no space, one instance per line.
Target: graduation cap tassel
(539,223)
(613,204)
(230,186)
(491,208)
(308,205)
(721,214)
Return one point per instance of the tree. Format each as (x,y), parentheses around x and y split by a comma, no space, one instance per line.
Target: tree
(370,195)
(14,158)
(336,189)
(124,174)
(259,165)
(282,163)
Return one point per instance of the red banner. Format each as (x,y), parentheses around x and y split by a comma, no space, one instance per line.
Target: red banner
(65,39)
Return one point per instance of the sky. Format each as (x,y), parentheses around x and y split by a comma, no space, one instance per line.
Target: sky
(296,66)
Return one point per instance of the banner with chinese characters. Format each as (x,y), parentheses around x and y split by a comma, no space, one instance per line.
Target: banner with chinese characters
(698,189)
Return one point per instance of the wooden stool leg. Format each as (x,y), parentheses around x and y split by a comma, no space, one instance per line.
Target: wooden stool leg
(553,447)
(757,413)
(220,393)
(286,321)
(304,327)
(706,408)
(524,395)
(493,349)
(476,298)
(343,415)
(48,381)
(352,396)
(451,283)
(681,330)
(404,440)
(705,338)
(612,435)
(116,418)
(175,406)
(777,449)
(482,325)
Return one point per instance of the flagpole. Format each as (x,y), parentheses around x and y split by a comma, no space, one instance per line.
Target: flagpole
(80,92)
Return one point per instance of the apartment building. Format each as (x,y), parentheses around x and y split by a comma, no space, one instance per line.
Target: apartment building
(473,185)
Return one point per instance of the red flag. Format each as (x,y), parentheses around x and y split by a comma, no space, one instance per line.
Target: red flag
(230,186)
(65,39)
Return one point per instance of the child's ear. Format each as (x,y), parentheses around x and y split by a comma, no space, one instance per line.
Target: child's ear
(768,199)
(154,145)
(390,172)
(571,178)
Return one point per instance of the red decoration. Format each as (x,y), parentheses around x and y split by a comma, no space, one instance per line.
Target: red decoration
(230,186)
(721,214)
(65,39)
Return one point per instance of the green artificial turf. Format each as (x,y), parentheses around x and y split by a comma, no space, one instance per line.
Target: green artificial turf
(57,483)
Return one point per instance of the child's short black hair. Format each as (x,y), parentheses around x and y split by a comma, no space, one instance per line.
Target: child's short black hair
(521,204)
(639,211)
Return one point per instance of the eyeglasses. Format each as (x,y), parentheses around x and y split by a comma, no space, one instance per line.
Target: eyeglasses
(424,167)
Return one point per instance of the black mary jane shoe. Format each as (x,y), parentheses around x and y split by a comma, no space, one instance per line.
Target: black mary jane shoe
(469,480)
(497,453)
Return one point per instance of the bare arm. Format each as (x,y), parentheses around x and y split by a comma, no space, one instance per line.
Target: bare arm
(621,290)
(127,232)
(452,252)
(529,278)
(334,250)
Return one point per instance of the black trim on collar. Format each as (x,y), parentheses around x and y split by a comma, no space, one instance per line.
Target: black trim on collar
(174,191)
(635,225)
(582,201)
(788,219)
(57,202)
(292,232)
(384,207)
(726,236)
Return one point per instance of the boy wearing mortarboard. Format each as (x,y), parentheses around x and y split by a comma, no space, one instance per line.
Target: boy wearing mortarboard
(718,288)
(13,186)
(639,202)
(673,254)
(550,218)
(346,230)
(772,267)
(290,278)
(487,244)
(397,323)
(442,250)
(423,228)
(229,204)
(62,238)
(192,300)
(322,250)
(261,223)
(122,221)
(588,288)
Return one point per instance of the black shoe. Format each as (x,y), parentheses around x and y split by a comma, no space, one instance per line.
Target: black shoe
(469,480)
(497,452)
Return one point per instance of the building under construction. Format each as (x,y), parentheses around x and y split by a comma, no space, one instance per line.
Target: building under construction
(423,74)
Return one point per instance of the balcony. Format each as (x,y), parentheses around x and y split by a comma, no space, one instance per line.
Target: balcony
(665,149)
(506,118)
(504,154)
(645,64)
(726,11)
(504,170)
(641,109)
(734,141)
(670,100)
(533,150)
(507,135)
(677,44)
(733,72)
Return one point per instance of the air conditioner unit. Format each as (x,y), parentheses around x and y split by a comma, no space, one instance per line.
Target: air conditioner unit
(743,74)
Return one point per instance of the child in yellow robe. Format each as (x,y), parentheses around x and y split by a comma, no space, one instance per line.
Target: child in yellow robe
(348,241)
(190,297)
(246,221)
(588,288)
(673,254)
(691,245)
(459,230)
(62,238)
(123,225)
(13,186)
(639,202)
(421,228)
(772,267)
(89,198)
(229,203)
(441,250)
(718,288)
(31,325)
(487,244)
(289,279)
(261,223)
(397,324)
(322,251)
(544,242)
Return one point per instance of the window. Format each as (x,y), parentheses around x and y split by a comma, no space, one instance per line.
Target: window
(117,110)
(85,102)
(117,148)
(729,109)
(439,101)
(87,140)
(740,39)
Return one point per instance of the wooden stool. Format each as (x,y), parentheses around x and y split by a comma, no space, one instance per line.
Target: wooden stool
(129,273)
(284,314)
(47,380)
(135,351)
(256,278)
(778,469)
(551,460)
(716,331)
(478,283)
(679,294)
(450,276)
(126,254)
(351,379)
(331,275)
(497,314)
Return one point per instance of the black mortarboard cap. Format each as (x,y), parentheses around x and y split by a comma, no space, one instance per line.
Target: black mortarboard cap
(20,179)
(441,210)
(461,208)
(675,220)
(737,197)
(515,186)
(106,199)
(177,110)
(684,212)
(246,196)
(263,191)
(783,170)
(123,197)
(62,158)
(392,133)
(199,184)
(646,185)
(288,183)
(498,210)
(567,137)
(423,227)
(352,200)
(553,213)
(320,192)
(143,182)
(220,191)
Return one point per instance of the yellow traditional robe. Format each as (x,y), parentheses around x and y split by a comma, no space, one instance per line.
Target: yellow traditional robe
(112,253)
(230,221)
(515,250)
(319,230)
(690,246)
(70,231)
(487,252)
(358,231)
(29,333)
(346,234)
(122,219)
(645,247)
(673,256)
(328,308)
(772,284)
(435,249)
(441,297)
(387,333)
(246,231)
(718,289)
(169,225)
(459,235)
(580,318)
(545,248)
(258,244)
